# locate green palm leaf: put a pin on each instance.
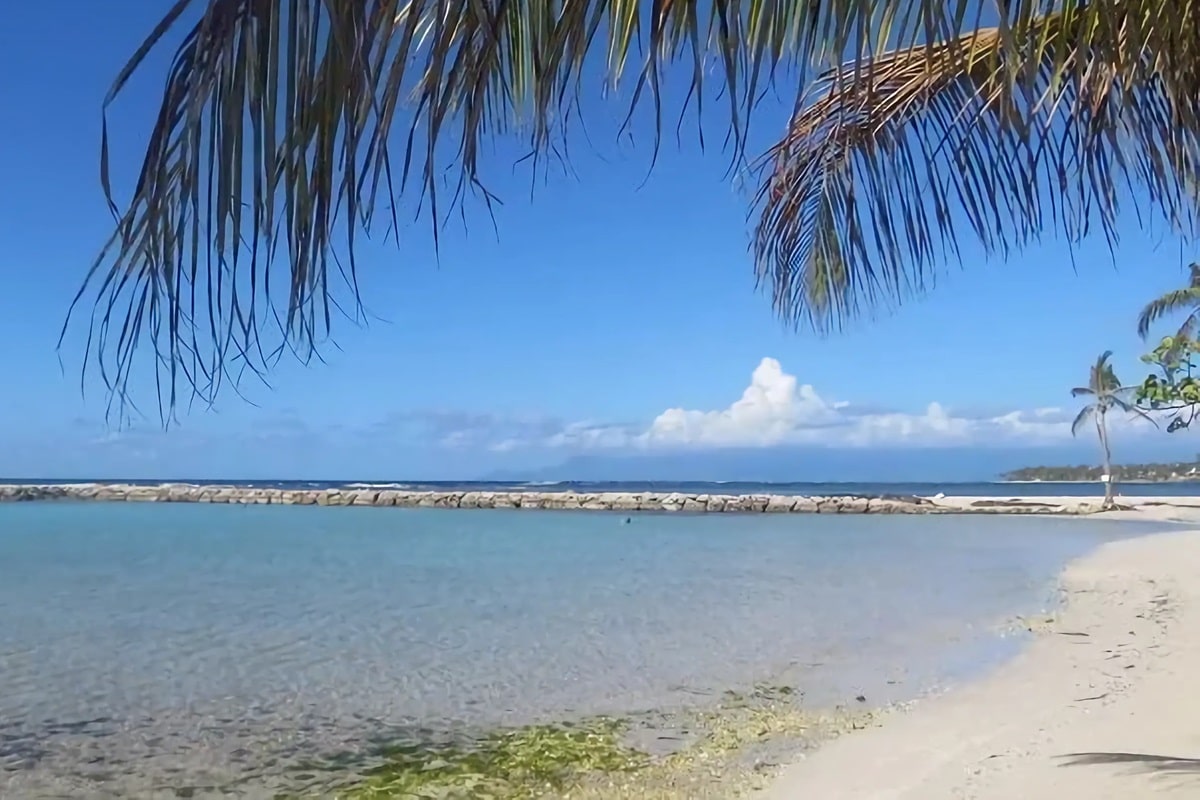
(288, 126)
(1104, 380)
(1169, 303)
(288, 130)
(1082, 418)
(1107, 394)
(1127, 407)
(1043, 125)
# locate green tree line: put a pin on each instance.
(1170, 392)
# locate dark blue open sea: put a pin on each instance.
(982, 488)
(145, 646)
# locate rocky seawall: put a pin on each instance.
(601, 501)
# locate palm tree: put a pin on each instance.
(289, 128)
(1106, 393)
(1185, 299)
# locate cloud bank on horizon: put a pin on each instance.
(773, 414)
(776, 409)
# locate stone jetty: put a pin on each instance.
(524, 500)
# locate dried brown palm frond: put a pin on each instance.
(1046, 124)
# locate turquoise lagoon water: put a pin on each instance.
(153, 646)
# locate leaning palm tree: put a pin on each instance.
(1105, 394)
(1185, 299)
(289, 129)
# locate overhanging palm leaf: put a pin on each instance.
(287, 125)
(1046, 124)
(1187, 299)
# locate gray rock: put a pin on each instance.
(625, 502)
(715, 505)
(605, 501)
(779, 505)
(854, 505)
(758, 502)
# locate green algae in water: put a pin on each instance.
(734, 749)
(523, 764)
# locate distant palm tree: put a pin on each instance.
(287, 126)
(1185, 299)
(1106, 393)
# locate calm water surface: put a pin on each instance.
(144, 647)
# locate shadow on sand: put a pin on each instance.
(1143, 762)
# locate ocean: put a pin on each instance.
(832, 489)
(145, 646)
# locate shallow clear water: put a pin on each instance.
(142, 645)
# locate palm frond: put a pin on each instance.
(288, 126)
(1081, 418)
(1127, 407)
(1082, 391)
(1103, 379)
(1169, 303)
(289, 129)
(1045, 125)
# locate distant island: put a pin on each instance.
(1129, 473)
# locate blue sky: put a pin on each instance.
(607, 317)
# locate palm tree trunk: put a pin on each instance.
(1102, 431)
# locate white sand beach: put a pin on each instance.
(1103, 704)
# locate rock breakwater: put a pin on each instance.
(558, 500)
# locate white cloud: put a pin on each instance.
(776, 409)
(770, 411)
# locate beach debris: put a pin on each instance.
(1086, 699)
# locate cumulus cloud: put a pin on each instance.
(776, 409)
(772, 408)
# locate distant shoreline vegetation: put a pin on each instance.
(1174, 472)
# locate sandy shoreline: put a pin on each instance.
(1103, 704)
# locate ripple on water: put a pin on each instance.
(147, 647)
